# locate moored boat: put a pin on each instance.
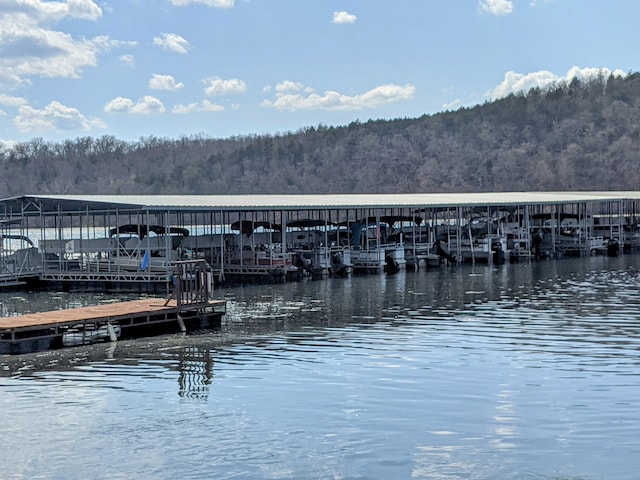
(82, 334)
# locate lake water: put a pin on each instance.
(524, 371)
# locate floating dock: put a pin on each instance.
(107, 322)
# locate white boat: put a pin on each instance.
(488, 249)
(322, 260)
(370, 260)
(316, 248)
(132, 248)
(376, 247)
(87, 334)
(421, 256)
(256, 251)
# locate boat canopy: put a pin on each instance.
(17, 237)
(390, 219)
(557, 215)
(308, 223)
(249, 226)
(143, 230)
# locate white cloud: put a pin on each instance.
(45, 53)
(343, 17)
(208, 3)
(452, 105)
(9, 101)
(85, 9)
(172, 42)
(289, 86)
(518, 82)
(164, 82)
(8, 77)
(591, 72)
(104, 43)
(331, 100)
(7, 144)
(147, 105)
(218, 86)
(204, 106)
(36, 11)
(29, 46)
(496, 7)
(54, 117)
(127, 59)
(118, 104)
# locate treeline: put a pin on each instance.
(584, 135)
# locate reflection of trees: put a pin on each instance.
(196, 371)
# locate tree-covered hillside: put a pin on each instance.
(580, 136)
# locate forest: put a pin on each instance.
(582, 135)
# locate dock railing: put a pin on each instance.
(193, 282)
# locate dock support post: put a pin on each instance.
(181, 323)
(112, 333)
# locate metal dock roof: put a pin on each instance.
(54, 203)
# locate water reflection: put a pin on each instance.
(196, 372)
(511, 371)
(550, 307)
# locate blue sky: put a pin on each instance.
(173, 68)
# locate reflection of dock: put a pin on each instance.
(46, 330)
(196, 372)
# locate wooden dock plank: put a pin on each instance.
(93, 313)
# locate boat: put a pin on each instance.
(86, 334)
(20, 256)
(316, 249)
(484, 250)
(422, 255)
(255, 251)
(613, 247)
(377, 244)
(132, 248)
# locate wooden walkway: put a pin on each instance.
(46, 330)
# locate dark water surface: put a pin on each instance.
(526, 371)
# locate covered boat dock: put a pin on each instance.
(132, 242)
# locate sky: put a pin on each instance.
(225, 68)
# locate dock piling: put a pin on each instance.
(181, 324)
(112, 333)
